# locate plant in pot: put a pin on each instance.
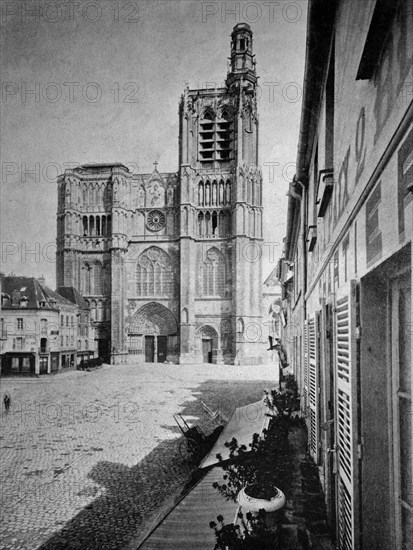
(258, 496)
(250, 533)
(250, 479)
(281, 405)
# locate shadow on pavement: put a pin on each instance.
(133, 496)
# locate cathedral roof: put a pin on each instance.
(93, 166)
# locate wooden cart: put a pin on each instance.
(193, 445)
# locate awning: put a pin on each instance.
(244, 423)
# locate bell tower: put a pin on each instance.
(221, 215)
(242, 59)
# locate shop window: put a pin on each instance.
(26, 364)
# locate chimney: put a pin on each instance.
(41, 280)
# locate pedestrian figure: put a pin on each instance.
(7, 402)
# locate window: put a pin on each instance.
(67, 320)
(93, 311)
(62, 320)
(213, 273)
(19, 343)
(15, 364)
(373, 233)
(402, 408)
(85, 279)
(43, 326)
(97, 278)
(19, 323)
(154, 274)
(240, 328)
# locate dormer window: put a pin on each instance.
(242, 44)
(24, 301)
(16, 298)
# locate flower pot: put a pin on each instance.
(254, 505)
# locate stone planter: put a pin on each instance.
(254, 505)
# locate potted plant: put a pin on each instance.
(251, 478)
(264, 496)
(249, 533)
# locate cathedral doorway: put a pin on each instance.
(207, 350)
(208, 344)
(162, 342)
(153, 334)
(149, 349)
(104, 349)
(156, 349)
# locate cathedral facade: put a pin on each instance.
(170, 262)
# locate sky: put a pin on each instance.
(100, 81)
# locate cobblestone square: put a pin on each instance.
(90, 459)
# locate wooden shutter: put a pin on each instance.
(313, 401)
(346, 416)
(306, 355)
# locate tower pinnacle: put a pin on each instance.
(242, 62)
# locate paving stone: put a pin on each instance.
(89, 460)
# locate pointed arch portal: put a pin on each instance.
(208, 339)
(153, 331)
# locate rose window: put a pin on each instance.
(155, 220)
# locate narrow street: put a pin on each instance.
(90, 460)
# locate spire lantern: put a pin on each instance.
(242, 62)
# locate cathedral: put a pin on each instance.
(169, 263)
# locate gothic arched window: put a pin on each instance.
(221, 193)
(213, 273)
(85, 279)
(93, 311)
(97, 278)
(154, 273)
(201, 193)
(200, 224)
(228, 192)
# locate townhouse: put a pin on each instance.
(346, 270)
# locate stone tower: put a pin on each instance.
(221, 214)
(170, 262)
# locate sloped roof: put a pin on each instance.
(71, 294)
(59, 299)
(27, 287)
